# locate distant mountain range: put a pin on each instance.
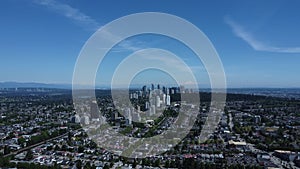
(55, 85)
(33, 85)
(277, 92)
(45, 85)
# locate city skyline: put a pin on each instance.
(257, 41)
(149, 84)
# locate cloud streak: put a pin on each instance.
(167, 61)
(86, 22)
(70, 13)
(257, 45)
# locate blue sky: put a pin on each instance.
(257, 41)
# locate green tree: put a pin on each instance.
(29, 155)
(80, 149)
(78, 164)
(167, 164)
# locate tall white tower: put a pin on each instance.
(147, 104)
(152, 110)
(168, 100)
(157, 101)
(164, 99)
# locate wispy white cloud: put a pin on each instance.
(198, 68)
(167, 61)
(257, 45)
(70, 13)
(86, 22)
(130, 45)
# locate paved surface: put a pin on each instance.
(37, 144)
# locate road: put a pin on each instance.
(37, 144)
(273, 159)
(230, 122)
